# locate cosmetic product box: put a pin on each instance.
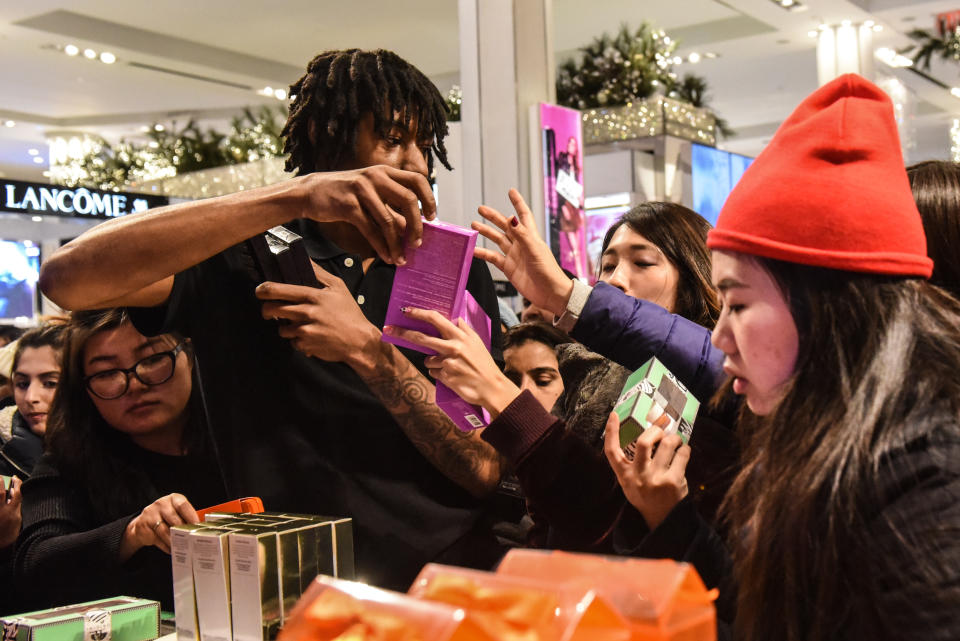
(652, 396)
(119, 618)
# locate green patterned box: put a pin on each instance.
(652, 396)
(119, 618)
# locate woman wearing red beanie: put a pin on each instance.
(848, 502)
(844, 519)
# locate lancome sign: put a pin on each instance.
(53, 200)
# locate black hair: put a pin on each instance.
(342, 86)
(875, 377)
(936, 190)
(44, 336)
(681, 234)
(10, 333)
(536, 331)
(88, 452)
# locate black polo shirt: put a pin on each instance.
(307, 435)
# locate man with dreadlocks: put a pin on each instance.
(309, 408)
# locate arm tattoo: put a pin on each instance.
(461, 456)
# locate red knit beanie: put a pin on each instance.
(830, 189)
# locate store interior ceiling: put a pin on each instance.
(183, 59)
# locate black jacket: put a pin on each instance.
(21, 452)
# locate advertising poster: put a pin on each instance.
(598, 222)
(563, 195)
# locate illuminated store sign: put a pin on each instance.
(53, 200)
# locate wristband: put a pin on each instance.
(578, 300)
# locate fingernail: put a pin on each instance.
(388, 329)
(514, 221)
(401, 260)
(404, 309)
(418, 242)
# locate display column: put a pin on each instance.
(506, 65)
(845, 48)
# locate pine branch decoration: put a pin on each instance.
(170, 151)
(929, 45)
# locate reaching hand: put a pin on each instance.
(325, 323)
(462, 362)
(526, 260)
(653, 482)
(380, 201)
(152, 526)
(10, 520)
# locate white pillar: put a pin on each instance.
(506, 65)
(844, 48)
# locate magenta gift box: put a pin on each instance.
(435, 277)
(466, 416)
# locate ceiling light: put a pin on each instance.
(955, 91)
(71, 50)
(153, 144)
(268, 91)
(813, 33)
(868, 23)
(158, 127)
(38, 160)
(37, 219)
(89, 53)
(281, 94)
(878, 27)
(33, 152)
(9, 123)
(694, 58)
(145, 129)
(845, 23)
(666, 40)
(711, 55)
(789, 5)
(677, 60)
(107, 58)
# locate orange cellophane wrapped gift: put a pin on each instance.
(513, 608)
(337, 610)
(662, 600)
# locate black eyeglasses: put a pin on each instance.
(153, 370)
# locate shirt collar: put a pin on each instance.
(317, 245)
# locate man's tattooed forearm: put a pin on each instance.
(461, 456)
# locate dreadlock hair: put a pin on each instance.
(339, 88)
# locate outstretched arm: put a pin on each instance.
(132, 260)
(622, 328)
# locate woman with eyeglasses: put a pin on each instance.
(127, 459)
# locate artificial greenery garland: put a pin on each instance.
(630, 66)
(170, 151)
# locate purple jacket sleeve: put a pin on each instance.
(630, 331)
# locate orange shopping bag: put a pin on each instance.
(514, 608)
(337, 610)
(662, 600)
